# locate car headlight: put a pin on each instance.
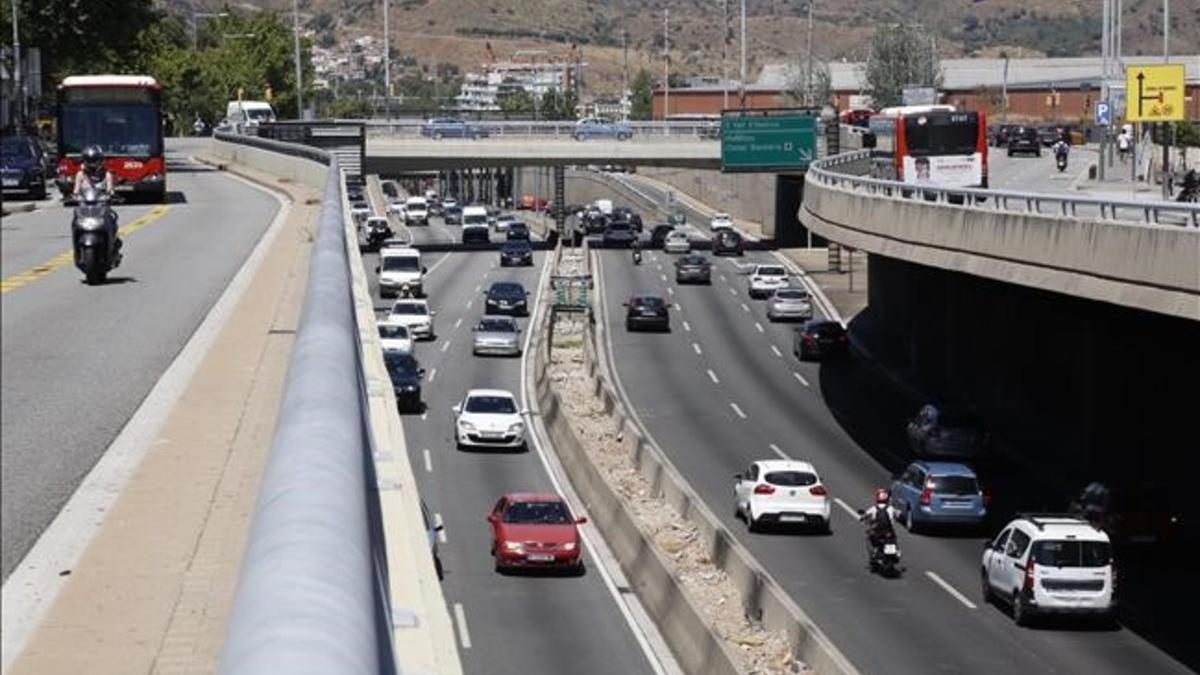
(517, 428)
(569, 546)
(514, 546)
(466, 426)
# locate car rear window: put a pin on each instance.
(772, 271)
(499, 405)
(648, 302)
(786, 294)
(497, 326)
(392, 331)
(790, 478)
(1071, 553)
(953, 485)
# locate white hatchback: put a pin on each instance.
(783, 492)
(489, 418)
(721, 221)
(394, 337)
(415, 315)
(766, 279)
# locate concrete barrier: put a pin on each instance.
(262, 157)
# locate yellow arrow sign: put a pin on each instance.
(1154, 93)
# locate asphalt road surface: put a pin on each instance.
(520, 624)
(77, 360)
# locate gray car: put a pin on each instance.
(694, 268)
(497, 335)
(789, 304)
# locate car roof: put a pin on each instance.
(785, 465)
(534, 497)
(1059, 526)
(404, 251)
(411, 301)
(471, 393)
(946, 468)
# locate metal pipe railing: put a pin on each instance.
(311, 595)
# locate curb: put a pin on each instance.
(27, 207)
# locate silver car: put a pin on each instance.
(677, 242)
(789, 304)
(497, 335)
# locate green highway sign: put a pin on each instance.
(768, 143)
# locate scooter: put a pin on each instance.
(637, 256)
(94, 236)
(884, 555)
(1060, 158)
(376, 235)
(1190, 191)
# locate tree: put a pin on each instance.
(900, 56)
(642, 103)
(349, 108)
(797, 91)
(555, 105)
(517, 102)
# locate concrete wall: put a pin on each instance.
(295, 169)
(747, 196)
(398, 155)
(1151, 267)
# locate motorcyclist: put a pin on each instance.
(1061, 148)
(637, 250)
(1190, 189)
(879, 519)
(93, 174)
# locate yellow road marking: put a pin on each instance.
(34, 273)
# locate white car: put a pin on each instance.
(766, 279)
(783, 492)
(394, 337)
(415, 315)
(360, 213)
(721, 221)
(677, 242)
(503, 221)
(416, 211)
(396, 207)
(489, 418)
(1050, 565)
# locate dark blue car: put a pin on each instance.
(22, 166)
(449, 127)
(939, 493)
(506, 297)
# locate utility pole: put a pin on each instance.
(624, 63)
(742, 83)
(666, 63)
(18, 80)
(387, 65)
(808, 87)
(296, 49)
(1167, 31)
(724, 54)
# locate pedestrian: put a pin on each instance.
(1123, 145)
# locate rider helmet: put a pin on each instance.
(93, 161)
(882, 496)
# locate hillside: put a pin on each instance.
(457, 31)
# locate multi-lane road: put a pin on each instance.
(78, 360)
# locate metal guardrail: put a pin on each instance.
(312, 589)
(1043, 203)
(645, 131)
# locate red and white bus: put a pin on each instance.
(931, 145)
(122, 114)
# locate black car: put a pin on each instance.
(518, 231)
(595, 222)
(452, 215)
(506, 297)
(693, 267)
(624, 214)
(1050, 133)
(619, 234)
(1024, 139)
(516, 253)
(406, 374)
(475, 235)
(23, 166)
(647, 312)
(658, 234)
(820, 340)
(728, 242)
(1003, 134)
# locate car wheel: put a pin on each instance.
(985, 587)
(1020, 610)
(1010, 153)
(825, 526)
(40, 192)
(752, 524)
(437, 136)
(579, 137)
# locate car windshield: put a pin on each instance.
(648, 302)
(16, 148)
(410, 308)
(790, 478)
(692, 260)
(548, 513)
(497, 405)
(953, 485)
(396, 361)
(1071, 553)
(392, 331)
(771, 271)
(676, 235)
(790, 294)
(507, 289)
(401, 263)
(497, 326)
(259, 115)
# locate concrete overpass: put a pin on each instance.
(391, 155)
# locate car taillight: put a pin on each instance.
(764, 490)
(987, 497)
(926, 497)
(1029, 570)
(818, 490)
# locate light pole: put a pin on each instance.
(666, 63)
(1004, 89)
(387, 65)
(724, 54)
(808, 86)
(18, 81)
(742, 83)
(299, 70)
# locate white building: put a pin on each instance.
(480, 91)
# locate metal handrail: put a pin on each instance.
(1010, 201)
(312, 588)
(645, 130)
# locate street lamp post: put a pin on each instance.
(1004, 89)
(296, 55)
(387, 65)
(742, 83)
(666, 64)
(18, 81)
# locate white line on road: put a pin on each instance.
(446, 345)
(737, 410)
(478, 288)
(424, 415)
(722, 277)
(458, 322)
(687, 326)
(678, 308)
(950, 589)
(696, 346)
(464, 635)
(745, 307)
(776, 351)
(432, 374)
(670, 291)
(664, 278)
(759, 327)
(800, 377)
(781, 453)
(469, 303)
(428, 460)
(849, 509)
(713, 376)
(732, 291)
(441, 535)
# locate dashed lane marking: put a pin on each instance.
(759, 327)
(696, 346)
(460, 618)
(800, 377)
(713, 376)
(428, 460)
(687, 326)
(776, 351)
(950, 589)
(432, 374)
(446, 345)
(737, 411)
(781, 453)
(846, 507)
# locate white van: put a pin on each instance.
(400, 266)
(416, 211)
(474, 216)
(242, 115)
(605, 206)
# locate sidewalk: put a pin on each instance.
(152, 591)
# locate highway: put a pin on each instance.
(722, 389)
(79, 360)
(505, 624)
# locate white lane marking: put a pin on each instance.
(441, 535)
(732, 290)
(722, 277)
(950, 589)
(696, 346)
(781, 453)
(478, 288)
(432, 374)
(670, 291)
(759, 327)
(678, 308)
(469, 302)
(464, 635)
(428, 460)
(776, 351)
(849, 509)
(446, 345)
(745, 308)
(458, 322)
(713, 376)
(664, 278)
(737, 410)
(800, 377)
(687, 326)
(424, 416)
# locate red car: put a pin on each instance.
(535, 531)
(529, 203)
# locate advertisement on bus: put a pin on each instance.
(944, 170)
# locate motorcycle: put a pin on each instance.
(1190, 191)
(1060, 159)
(94, 236)
(377, 235)
(884, 555)
(637, 256)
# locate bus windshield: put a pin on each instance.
(125, 130)
(954, 134)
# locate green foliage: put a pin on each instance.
(349, 108)
(558, 106)
(900, 56)
(517, 102)
(642, 102)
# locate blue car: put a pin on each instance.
(24, 166)
(591, 127)
(938, 493)
(448, 127)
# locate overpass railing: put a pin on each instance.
(312, 589)
(645, 131)
(844, 172)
